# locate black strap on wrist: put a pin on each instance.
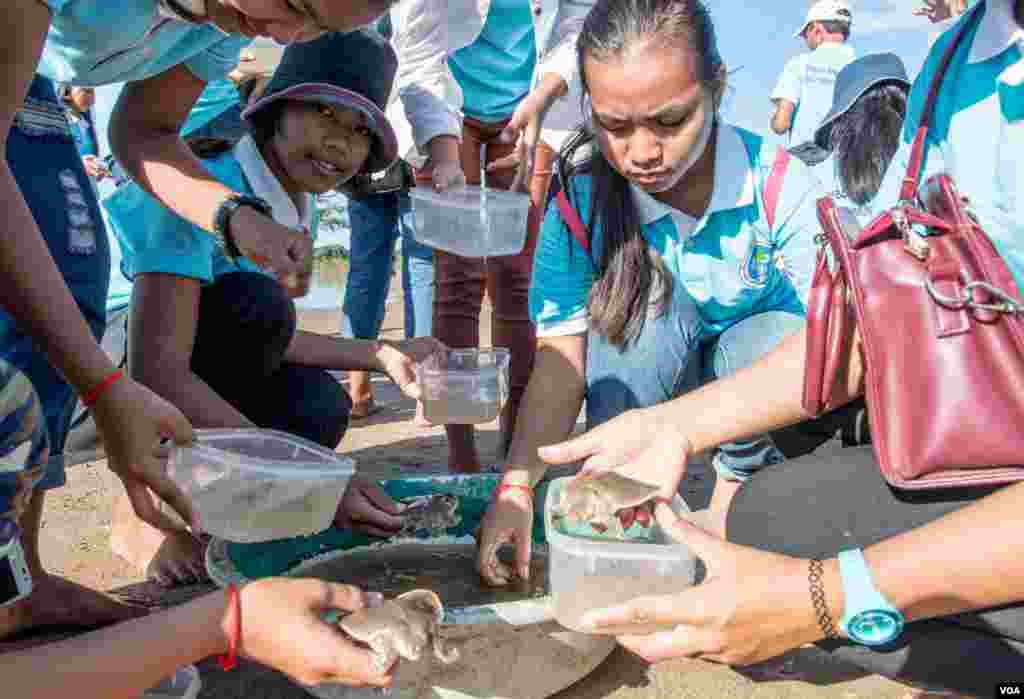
(225, 212)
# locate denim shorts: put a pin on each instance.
(42, 156)
(24, 445)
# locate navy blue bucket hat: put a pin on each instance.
(854, 80)
(354, 70)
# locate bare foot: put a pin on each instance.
(420, 420)
(170, 559)
(56, 601)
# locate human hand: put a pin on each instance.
(524, 129)
(447, 174)
(298, 285)
(399, 360)
(93, 167)
(285, 252)
(753, 605)
(940, 10)
(283, 627)
(638, 444)
(508, 520)
(366, 508)
(132, 420)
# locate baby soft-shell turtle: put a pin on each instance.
(597, 501)
(401, 628)
(431, 513)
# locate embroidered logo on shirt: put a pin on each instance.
(756, 267)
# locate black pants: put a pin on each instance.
(246, 322)
(836, 499)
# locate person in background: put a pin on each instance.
(319, 123)
(949, 563)
(804, 91)
(512, 68)
(79, 102)
(380, 211)
(862, 130)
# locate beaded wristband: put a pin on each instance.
(815, 580)
(512, 486)
(92, 395)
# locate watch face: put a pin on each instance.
(875, 627)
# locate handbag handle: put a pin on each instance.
(910, 181)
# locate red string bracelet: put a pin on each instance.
(93, 394)
(230, 659)
(512, 486)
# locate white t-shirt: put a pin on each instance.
(808, 81)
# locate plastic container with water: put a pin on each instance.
(252, 485)
(587, 574)
(471, 221)
(464, 387)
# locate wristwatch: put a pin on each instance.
(222, 219)
(868, 618)
(15, 578)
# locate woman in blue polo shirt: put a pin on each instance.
(167, 50)
(817, 539)
(688, 277)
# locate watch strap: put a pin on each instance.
(859, 592)
(222, 219)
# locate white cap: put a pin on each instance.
(827, 11)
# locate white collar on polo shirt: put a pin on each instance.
(997, 32)
(265, 186)
(733, 186)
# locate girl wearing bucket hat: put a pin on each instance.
(319, 122)
(862, 130)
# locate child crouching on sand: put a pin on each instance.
(214, 333)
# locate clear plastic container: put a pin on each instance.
(587, 574)
(251, 485)
(458, 221)
(466, 387)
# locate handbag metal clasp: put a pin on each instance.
(913, 243)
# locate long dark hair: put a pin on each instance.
(865, 139)
(629, 273)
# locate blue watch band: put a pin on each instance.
(868, 618)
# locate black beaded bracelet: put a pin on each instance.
(816, 581)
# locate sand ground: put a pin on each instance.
(75, 543)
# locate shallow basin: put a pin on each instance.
(510, 647)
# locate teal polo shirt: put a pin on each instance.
(98, 42)
(730, 261)
(977, 132)
(808, 81)
(154, 239)
(495, 71)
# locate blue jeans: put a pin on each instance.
(376, 223)
(24, 445)
(668, 360)
(45, 163)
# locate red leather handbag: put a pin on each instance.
(941, 323)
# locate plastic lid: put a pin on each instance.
(272, 452)
(470, 197)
